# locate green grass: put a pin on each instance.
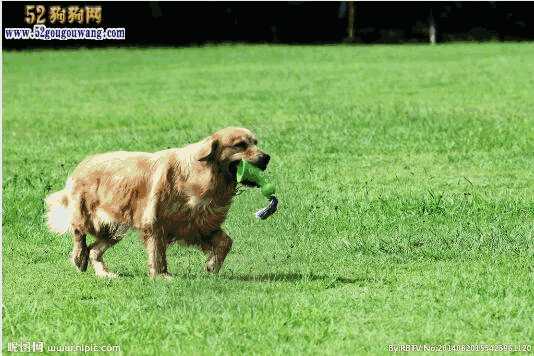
(405, 178)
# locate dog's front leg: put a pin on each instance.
(80, 252)
(216, 246)
(156, 247)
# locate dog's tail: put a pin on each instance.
(59, 213)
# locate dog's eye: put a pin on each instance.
(241, 144)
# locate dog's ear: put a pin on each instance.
(209, 149)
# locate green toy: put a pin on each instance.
(246, 171)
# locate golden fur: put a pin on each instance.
(181, 194)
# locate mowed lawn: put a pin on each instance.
(406, 183)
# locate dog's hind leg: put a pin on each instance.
(80, 252)
(216, 246)
(96, 254)
(104, 240)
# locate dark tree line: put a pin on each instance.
(164, 23)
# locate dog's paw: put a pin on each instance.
(80, 259)
(165, 276)
(106, 274)
(212, 267)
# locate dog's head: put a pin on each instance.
(228, 146)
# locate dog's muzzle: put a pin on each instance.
(263, 161)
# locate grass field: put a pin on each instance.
(405, 178)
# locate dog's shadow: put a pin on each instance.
(283, 277)
(270, 277)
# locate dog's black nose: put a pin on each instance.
(263, 161)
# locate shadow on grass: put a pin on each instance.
(285, 277)
(271, 277)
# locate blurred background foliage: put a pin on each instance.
(198, 23)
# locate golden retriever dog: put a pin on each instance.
(181, 194)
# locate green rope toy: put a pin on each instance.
(246, 171)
